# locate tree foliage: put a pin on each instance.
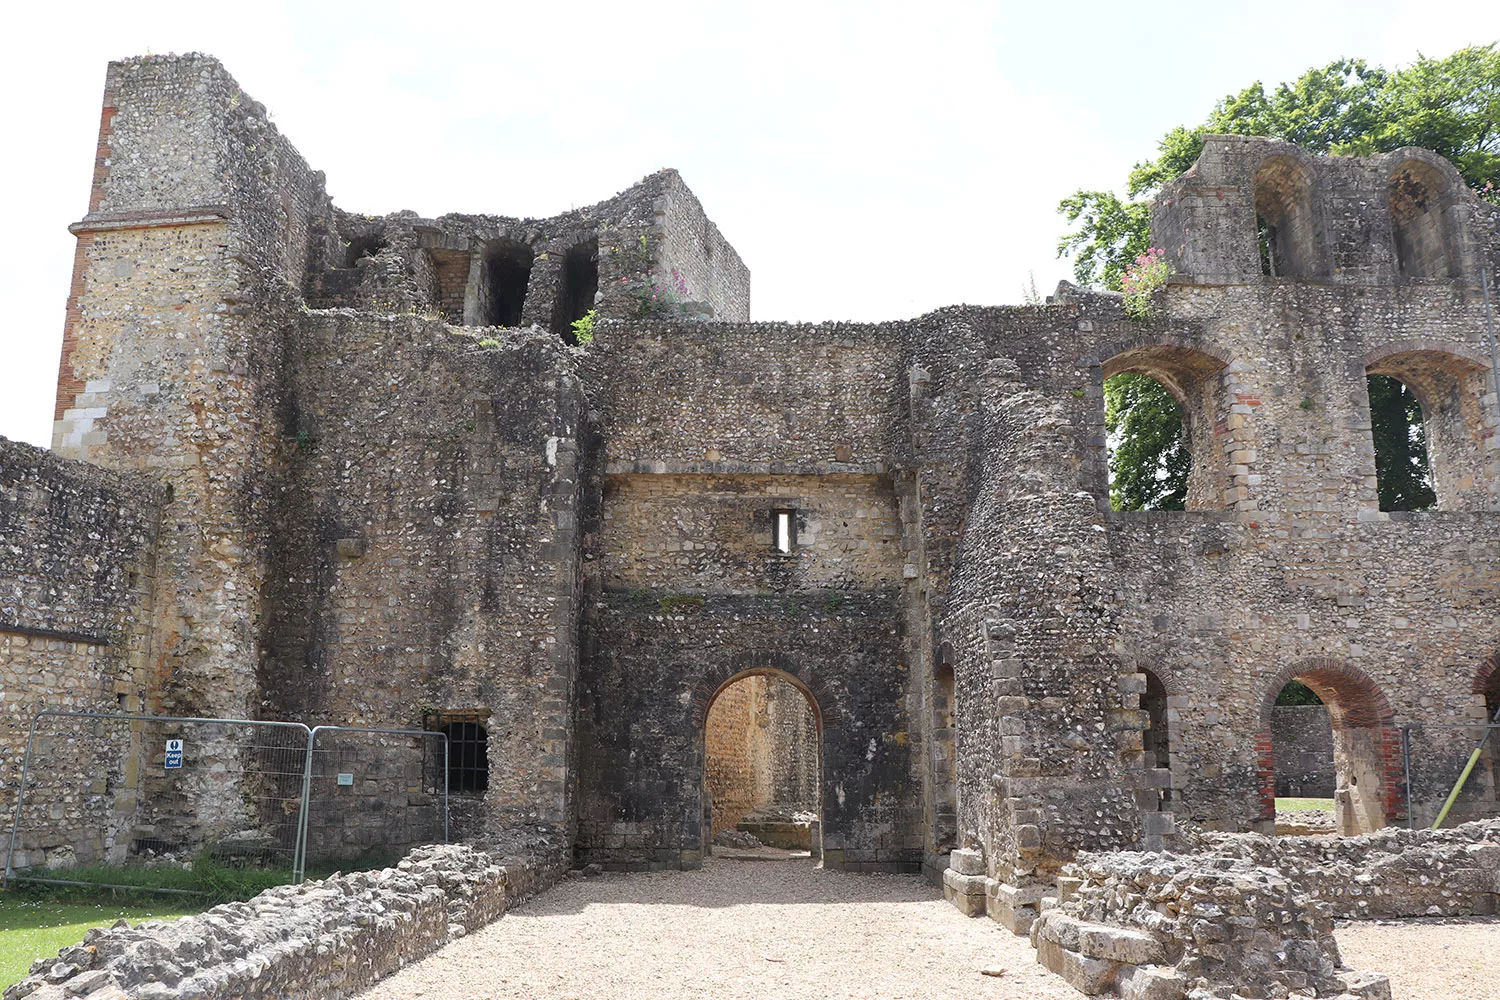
(1402, 476)
(1148, 461)
(1297, 693)
(1449, 105)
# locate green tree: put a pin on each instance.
(1449, 105)
(1148, 462)
(1403, 479)
(1297, 693)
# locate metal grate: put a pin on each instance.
(468, 755)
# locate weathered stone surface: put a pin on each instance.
(328, 938)
(966, 862)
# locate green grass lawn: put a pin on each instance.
(33, 926)
(1303, 805)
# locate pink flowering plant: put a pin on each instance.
(1148, 273)
(661, 294)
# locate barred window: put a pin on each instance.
(468, 749)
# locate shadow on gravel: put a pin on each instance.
(727, 882)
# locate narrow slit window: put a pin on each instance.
(784, 530)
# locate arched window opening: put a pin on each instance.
(1331, 735)
(1285, 227)
(579, 285)
(468, 755)
(1160, 451)
(1492, 697)
(1150, 460)
(1403, 474)
(763, 767)
(363, 248)
(1417, 193)
(506, 273)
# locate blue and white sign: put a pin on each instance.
(174, 753)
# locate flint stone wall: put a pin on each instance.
(1302, 740)
(321, 940)
(1393, 873)
(77, 564)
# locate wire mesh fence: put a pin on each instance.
(1435, 756)
(374, 792)
(100, 792)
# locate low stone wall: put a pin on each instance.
(325, 939)
(1249, 914)
(1392, 873)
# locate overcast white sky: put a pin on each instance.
(869, 160)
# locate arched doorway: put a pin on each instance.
(763, 768)
(1366, 743)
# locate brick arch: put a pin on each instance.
(1488, 667)
(788, 666)
(1355, 703)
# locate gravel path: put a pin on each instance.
(1428, 959)
(755, 929)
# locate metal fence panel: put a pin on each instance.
(103, 788)
(374, 791)
(116, 788)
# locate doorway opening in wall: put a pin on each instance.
(576, 291)
(506, 273)
(1330, 737)
(1149, 458)
(763, 770)
(1403, 474)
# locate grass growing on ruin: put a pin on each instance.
(1303, 805)
(34, 926)
(209, 880)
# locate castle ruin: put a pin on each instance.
(360, 470)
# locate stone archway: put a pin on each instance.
(1366, 744)
(762, 772)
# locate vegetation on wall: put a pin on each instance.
(1450, 105)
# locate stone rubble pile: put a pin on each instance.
(1167, 927)
(326, 939)
(1394, 872)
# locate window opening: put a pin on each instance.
(507, 272)
(1417, 228)
(1155, 739)
(1403, 474)
(580, 283)
(468, 750)
(362, 247)
(1284, 219)
(784, 530)
(1149, 458)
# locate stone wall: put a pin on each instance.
(331, 938)
(77, 570)
(426, 562)
(1302, 740)
(1254, 915)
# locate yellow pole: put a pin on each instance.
(1453, 795)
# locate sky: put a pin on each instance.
(869, 160)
